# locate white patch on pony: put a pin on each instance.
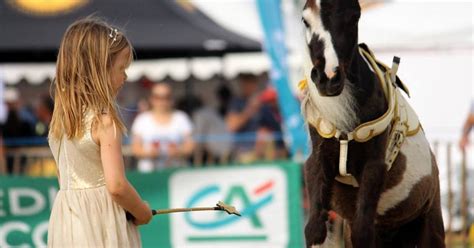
(418, 165)
(307, 14)
(317, 28)
(308, 35)
(339, 110)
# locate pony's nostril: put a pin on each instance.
(337, 77)
(315, 75)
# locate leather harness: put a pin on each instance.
(400, 117)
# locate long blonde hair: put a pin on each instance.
(83, 80)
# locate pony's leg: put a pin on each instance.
(401, 237)
(432, 230)
(319, 181)
(331, 241)
(347, 234)
(334, 234)
(371, 187)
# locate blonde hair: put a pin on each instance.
(83, 81)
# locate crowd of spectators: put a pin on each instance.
(244, 127)
(22, 126)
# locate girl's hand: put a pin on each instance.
(144, 217)
(174, 151)
(155, 151)
(120, 189)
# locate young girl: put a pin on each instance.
(85, 138)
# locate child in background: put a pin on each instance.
(85, 138)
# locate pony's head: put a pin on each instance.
(331, 36)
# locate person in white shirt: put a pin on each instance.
(162, 136)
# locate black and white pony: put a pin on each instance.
(370, 160)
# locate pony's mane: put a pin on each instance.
(339, 110)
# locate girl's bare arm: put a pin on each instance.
(110, 141)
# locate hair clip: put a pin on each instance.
(113, 34)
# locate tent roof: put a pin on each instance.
(179, 69)
(157, 29)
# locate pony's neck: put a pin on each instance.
(369, 93)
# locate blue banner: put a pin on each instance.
(272, 23)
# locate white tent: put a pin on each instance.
(177, 69)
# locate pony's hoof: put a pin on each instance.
(315, 233)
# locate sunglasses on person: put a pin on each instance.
(161, 96)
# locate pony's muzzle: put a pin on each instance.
(326, 86)
(331, 73)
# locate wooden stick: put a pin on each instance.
(179, 210)
(220, 206)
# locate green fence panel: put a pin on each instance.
(268, 195)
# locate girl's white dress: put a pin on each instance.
(84, 214)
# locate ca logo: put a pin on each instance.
(236, 193)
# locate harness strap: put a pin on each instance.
(343, 145)
(399, 117)
(343, 176)
(393, 74)
(396, 136)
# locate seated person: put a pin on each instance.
(248, 115)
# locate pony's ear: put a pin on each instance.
(357, 3)
(352, 16)
(352, 11)
(354, 3)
